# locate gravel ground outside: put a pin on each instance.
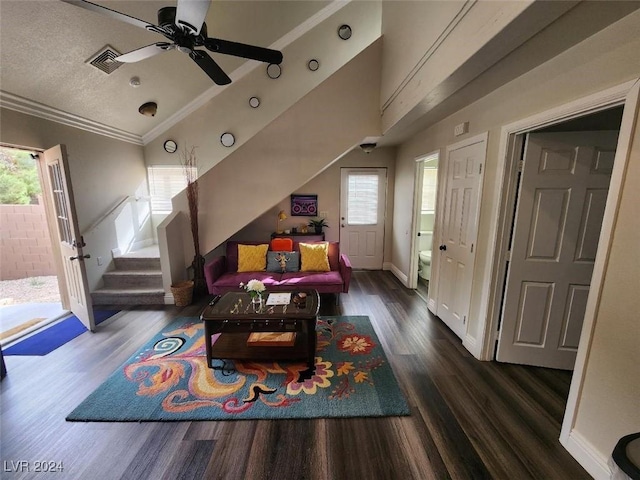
(29, 290)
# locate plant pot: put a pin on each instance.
(182, 293)
(318, 230)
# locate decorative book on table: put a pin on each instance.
(272, 339)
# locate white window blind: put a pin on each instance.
(165, 181)
(362, 202)
(429, 183)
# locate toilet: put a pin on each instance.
(425, 245)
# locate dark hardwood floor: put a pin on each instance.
(469, 419)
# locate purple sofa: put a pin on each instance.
(222, 274)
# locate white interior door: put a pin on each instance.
(560, 207)
(459, 227)
(362, 211)
(71, 242)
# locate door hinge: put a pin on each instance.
(464, 319)
(508, 256)
(480, 170)
(472, 248)
(520, 165)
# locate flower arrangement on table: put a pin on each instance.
(254, 288)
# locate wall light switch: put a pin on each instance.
(99, 261)
(324, 214)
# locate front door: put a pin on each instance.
(459, 227)
(362, 211)
(71, 242)
(560, 207)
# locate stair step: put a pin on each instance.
(128, 296)
(132, 278)
(137, 263)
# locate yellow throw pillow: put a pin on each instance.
(314, 257)
(252, 258)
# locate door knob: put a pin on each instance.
(83, 256)
(443, 247)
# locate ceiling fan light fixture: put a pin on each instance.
(148, 109)
(368, 147)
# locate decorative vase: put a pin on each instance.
(256, 302)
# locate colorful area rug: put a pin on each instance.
(168, 379)
(56, 335)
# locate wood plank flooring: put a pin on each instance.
(469, 419)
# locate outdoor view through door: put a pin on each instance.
(362, 209)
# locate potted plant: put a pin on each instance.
(317, 224)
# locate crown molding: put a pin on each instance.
(40, 110)
(29, 107)
(244, 70)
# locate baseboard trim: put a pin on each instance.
(168, 299)
(399, 274)
(587, 456)
(471, 344)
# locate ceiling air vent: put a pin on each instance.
(104, 60)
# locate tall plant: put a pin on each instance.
(190, 167)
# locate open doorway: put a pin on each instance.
(424, 221)
(559, 206)
(29, 286)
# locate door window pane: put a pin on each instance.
(362, 201)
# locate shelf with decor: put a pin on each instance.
(299, 236)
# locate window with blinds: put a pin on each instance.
(165, 181)
(362, 201)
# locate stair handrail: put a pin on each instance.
(117, 207)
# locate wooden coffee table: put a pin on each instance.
(234, 317)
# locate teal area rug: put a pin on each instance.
(168, 379)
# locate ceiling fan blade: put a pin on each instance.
(144, 52)
(243, 50)
(113, 14)
(190, 14)
(211, 68)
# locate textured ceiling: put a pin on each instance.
(44, 47)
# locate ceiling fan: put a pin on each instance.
(184, 26)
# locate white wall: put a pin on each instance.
(103, 171)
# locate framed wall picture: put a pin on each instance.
(304, 205)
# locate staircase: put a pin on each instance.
(136, 280)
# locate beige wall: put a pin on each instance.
(103, 171)
(610, 403)
(606, 59)
(327, 186)
(288, 152)
(229, 111)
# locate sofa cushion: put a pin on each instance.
(275, 262)
(252, 258)
(232, 280)
(280, 244)
(313, 257)
(303, 279)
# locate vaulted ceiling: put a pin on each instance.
(45, 45)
